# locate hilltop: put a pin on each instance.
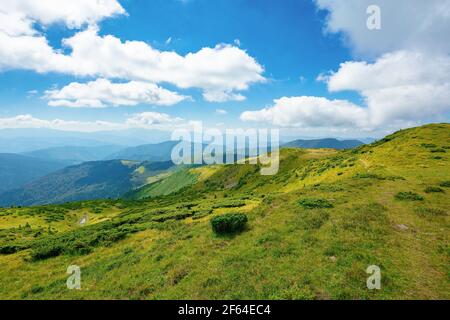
(313, 230)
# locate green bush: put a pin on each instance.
(314, 203)
(440, 150)
(445, 184)
(229, 204)
(433, 190)
(430, 212)
(11, 249)
(229, 223)
(408, 196)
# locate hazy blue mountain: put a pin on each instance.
(74, 154)
(89, 180)
(329, 143)
(148, 152)
(17, 170)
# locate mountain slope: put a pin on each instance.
(75, 154)
(324, 143)
(90, 180)
(313, 230)
(16, 170)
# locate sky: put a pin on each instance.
(309, 67)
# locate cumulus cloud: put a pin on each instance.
(18, 16)
(221, 72)
(398, 86)
(405, 25)
(306, 112)
(102, 93)
(401, 88)
(145, 120)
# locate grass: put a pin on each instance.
(310, 234)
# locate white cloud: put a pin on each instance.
(405, 25)
(307, 112)
(154, 119)
(102, 93)
(408, 86)
(222, 96)
(221, 111)
(28, 121)
(401, 88)
(17, 17)
(145, 120)
(221, 72)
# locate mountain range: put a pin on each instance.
(75, 154)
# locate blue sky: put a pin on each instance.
(293, 41)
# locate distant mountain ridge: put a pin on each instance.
(75, 154)
(147, 152)
(90, 180)
(16, 170)
(329, 143)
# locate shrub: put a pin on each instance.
(430, 212)
(408, 196)
(229, 204)
(445, 184)
(433, 189)
(313, 203)
(229, 223)
(46, 251)
(11, 249)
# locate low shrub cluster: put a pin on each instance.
(315, 203)
(229, 223)
(430, 212)
(230, 204)
(433, 189)
(445, 184)
(408, 196)
(377, 176)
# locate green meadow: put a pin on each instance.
(312, 231)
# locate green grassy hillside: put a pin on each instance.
(313, 230)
